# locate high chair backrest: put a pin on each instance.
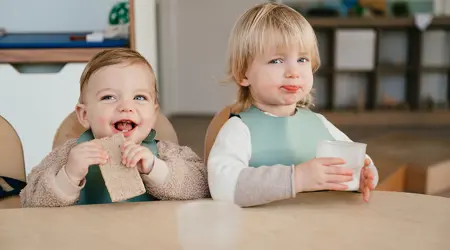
(70, 128)
(213, 129)
(11, 153)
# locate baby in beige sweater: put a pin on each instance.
(117, 95)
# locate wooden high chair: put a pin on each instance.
(11, 154)
(11, 160)
(213, 129)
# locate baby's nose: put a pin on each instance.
(126, 107)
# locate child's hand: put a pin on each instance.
(366, 181)
(136, 155)
(322, 174)
(81, 157)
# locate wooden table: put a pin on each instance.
(320, 220)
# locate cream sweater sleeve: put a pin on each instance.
(178, 174)
(48, 184)
(231, 178)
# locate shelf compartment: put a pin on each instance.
(392, 94)
(392, 50)
(351, 91)
(434, 89)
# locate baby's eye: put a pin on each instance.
(140, 98)
(303, 59)
(107, 97)
(276, 61)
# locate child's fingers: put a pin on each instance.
(126, 151)
(128, 157)
(366, 194)
(335, 186)
(95, 160)
(126, 145)
(369, 184)
(367, 162)
(147, 162)
(330, 161)
(335, 170)
(339, 178)
(362, 179)
(135, 156)
(368, 174)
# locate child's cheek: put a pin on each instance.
(103, 122)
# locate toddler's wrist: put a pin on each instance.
(74, 178)
(151, 163)
(297, 179)
(148, 169)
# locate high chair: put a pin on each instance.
(11, 165)
(213, 129)
(11, 154)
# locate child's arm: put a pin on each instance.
(232, 179)
(340, 136)
(48, 184)
(178, 174)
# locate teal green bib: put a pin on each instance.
(95, 191)
(283, 140)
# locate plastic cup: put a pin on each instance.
(354, 154)
(208, 225)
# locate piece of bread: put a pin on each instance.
(122, 183)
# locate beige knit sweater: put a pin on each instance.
(178, 174)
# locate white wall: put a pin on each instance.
(193, 43)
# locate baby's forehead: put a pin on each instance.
(118, 86)
(122, 84)
(126, 73)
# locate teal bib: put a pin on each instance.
(283, 140)
(95, 191)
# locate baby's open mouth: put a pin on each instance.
(124, 125)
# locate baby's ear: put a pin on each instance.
(80, 109)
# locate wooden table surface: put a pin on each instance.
(319, 220)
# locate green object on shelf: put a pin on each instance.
(119, 14)
(400, 9)
(359, 10)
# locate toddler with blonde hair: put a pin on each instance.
(266, 150)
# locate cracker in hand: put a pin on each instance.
(122, 183)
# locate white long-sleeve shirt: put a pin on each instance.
(232, 179)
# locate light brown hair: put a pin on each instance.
(263, 27)
(112, 57)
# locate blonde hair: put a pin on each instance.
(113, 57)
(262, 27)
